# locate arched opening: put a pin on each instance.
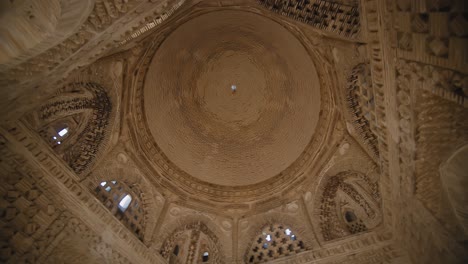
(74, 123)
(350, 205)
(122, 201)
(176, 250)
(125, 202)
(205, 256)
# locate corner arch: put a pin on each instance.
(347, 203)
(126, 172)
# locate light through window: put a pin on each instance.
(268, 238)
(103, 184)
(125, 202)
(287, 231)
(63, 132)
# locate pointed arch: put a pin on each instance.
(193, 241)
(349, 203)
(124, 203)
(83, 110)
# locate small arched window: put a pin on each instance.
(176, 250)
(205, 256)
(125, 202)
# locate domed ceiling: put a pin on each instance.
(232, 98)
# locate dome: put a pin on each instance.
(232, 98)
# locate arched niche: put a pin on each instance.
(76, 123)
(454, 176)
(190, 242)
(348, 203)
(124, 202)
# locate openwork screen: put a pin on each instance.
(192, 243)
(274, 241)
(123, 203)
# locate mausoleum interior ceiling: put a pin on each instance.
(233, 131)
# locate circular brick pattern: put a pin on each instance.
(226, 136)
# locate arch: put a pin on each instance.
(124, 203)
(195, 239)
(126, 172)
(255, 226)
(347, 203)
(454, 177)
(84, 110)
(272, 242)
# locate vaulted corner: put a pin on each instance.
(206, 131)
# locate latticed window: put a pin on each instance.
(273, 242)
(123, 203)
(354, 224)
(74, 123)
(350, 204)
(341, 17)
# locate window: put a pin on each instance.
(63, 132)
(350, 217)
(273, 242)
(205, 256)
(176, 250)
(125, 202)
(59, 135)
